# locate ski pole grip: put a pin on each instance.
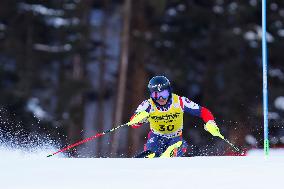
(138, 117)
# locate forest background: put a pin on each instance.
(72, 68)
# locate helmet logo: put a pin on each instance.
(159, 87)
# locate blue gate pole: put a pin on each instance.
(264, 77)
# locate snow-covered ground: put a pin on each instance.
(18, 171)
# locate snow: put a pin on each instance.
(279, 103)
(269, 36)
(273, 115)
(257, 35)
(218, 9)
(181, 7)
(96, 17)
(273, 6)
(40, 9)
(70, 6)
(218, 172)
(58, 22)
(2, 27)
(15, 154)
(233, 7)
(282, 139)
(237, 30)
(34, 107)
(251, 140)
(281, 12)
(253, 2)
(250, 35)
(276, 72)
(164, 28)
(275, 152)
(281, 32)
(171, 12)
(53, 48)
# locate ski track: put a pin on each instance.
(222, 172)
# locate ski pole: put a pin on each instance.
(86, 140)
(232, 145)
(140, 116)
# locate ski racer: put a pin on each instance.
(166, 111)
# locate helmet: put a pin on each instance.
(158, 84)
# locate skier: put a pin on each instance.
(166, 120)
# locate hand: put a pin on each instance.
(136, 125)
(213, 129)
(142, 119)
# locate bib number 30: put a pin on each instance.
(166, 127)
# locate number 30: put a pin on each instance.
(166, 127)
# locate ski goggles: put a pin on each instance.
(157, 95)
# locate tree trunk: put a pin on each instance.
(121, 85)
(137, 81)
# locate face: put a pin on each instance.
(162, 101)
(161, 97)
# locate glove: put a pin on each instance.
(213, 129)
(143, 117)
(135, 125)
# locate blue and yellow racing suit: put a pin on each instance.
(166, 122)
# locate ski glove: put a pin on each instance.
(138, 119)
(213, 129)
(135, 125)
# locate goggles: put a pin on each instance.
(157, 95)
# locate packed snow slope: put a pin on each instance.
(220, 172)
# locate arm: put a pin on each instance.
(144, 106)
(196, 110)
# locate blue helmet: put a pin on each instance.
(159, 83)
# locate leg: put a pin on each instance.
(182, 150)
(156, 144)
(179, 150)
(145, 154)
(171, 151)
(149, 147)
